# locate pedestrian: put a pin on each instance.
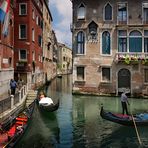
(13, 86)
(20, 83)
(124, 102)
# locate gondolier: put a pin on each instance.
(124, 102)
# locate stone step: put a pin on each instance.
(30, 100)
(34, 95)
(31, 97)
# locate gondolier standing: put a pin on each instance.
(124, 102)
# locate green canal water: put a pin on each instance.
(77, 122)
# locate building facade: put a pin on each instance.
(28, 45)
(47, 42)
(6, 53)
(110, 46)
(64, 59)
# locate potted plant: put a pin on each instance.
(127, 59)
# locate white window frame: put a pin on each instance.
(37, 20)
(77, 75)
(104, 12)
(33, 14)
(81, 16)
(20, 55)
(20, 8)
(84, 43)
(126, 11)
(107, 55)
(20, 31)
(33, 55)
(105, 66)
(144, 5)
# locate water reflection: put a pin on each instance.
(77, 123)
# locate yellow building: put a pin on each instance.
(49, 42)
(64, 59)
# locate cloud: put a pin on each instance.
(61, 11)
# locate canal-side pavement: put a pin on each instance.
(12, 105)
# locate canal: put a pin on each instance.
(77, 123)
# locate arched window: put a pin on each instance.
(81, 12)
(106, 42)
(135, 41)
(80, 43)
(108, 12)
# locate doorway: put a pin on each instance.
(124, 81)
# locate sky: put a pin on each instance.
(61, 11)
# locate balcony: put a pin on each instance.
(22, 66)
(131, 58)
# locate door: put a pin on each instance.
(124, 81)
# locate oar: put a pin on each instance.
(139, 140)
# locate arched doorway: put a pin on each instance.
(124, 81)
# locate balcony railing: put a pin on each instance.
(131, 57)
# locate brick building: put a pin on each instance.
(110, 46)
(6, 54)
(28, 62)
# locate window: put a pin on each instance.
(40, 40)
(23, 54)
(47, 16)
(106, 42)
(106, 77)
(146, 41)
(135, 41)
(145, 13)
(33, 14)
(108, 12)
(33, 55)
(81, 12)
(80, 73)
(122, 13)
(122, 41)
(146, 75)
(22, 31)
(22, 9)
(80, 43)
(64, 58)
(48, 46)
(33, 35)
(10, 61)
(37, 20)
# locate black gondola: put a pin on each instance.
(49, 108)
(127, 120)
(59, 76)
(11, 133)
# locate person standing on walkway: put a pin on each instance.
(20, 83)
(13, 86)
(124, 102)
